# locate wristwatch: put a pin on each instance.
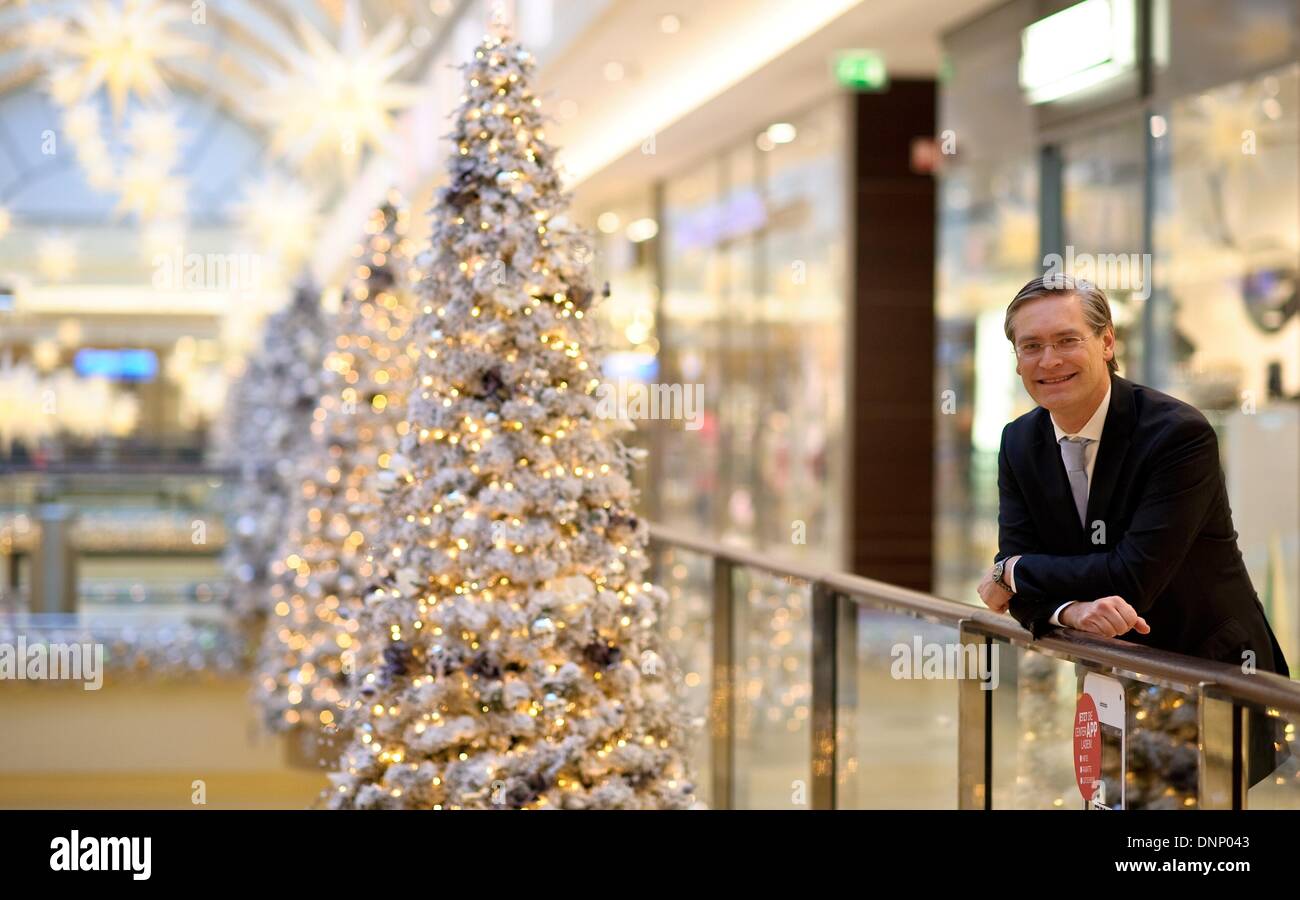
(997, 575)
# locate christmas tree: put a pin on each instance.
(509, 652)
(321, 566)
(268, 417)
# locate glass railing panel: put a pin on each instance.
(897, 732)
(1162, 755)
(687, 577)
(1155, 753)
(1033, 721)
(773, 699)
(1272, 757)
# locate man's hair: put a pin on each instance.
(1096, 308)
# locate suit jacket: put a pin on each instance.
(1159, 534)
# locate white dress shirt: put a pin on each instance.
(1091, 430)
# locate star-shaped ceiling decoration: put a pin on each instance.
(332, 103)
(119, 46)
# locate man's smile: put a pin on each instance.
(1059, 379)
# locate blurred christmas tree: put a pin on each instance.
(321, 567)
(1163, 762)
(509, 654)
(267, 426)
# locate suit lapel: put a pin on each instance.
(1115, 438)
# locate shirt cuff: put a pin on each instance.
(1056, 616)
(1009, 573)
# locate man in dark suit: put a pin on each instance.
(1113, 512)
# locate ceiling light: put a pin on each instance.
(642, 230)
(781, 132)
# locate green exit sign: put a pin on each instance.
(861, 70)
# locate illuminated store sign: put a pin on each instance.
(1078, 48)
(123, 365)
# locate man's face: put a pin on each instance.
(1066, 382)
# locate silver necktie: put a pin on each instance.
(1077, 470)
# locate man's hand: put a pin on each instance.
(1108, 617)
(994, 595)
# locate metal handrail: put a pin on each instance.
(1263, 688)
(1224, 690)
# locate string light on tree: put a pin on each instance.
(509, 648)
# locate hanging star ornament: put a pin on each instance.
(153, 135)
(150, 192)
(120, 46)
(148, 186)
(332, 103)
(56, 257)
(280, 215)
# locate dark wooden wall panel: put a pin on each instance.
(891, 391)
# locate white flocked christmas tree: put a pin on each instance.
(266, 431)
(509, 653)
(322, 566)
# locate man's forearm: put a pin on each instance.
(1010, 576)
(1042, 578)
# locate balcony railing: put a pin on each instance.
(829, 691)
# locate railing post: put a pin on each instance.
(824, 713)
(724, 686)
(974, 734)
(1219, 766)
(54, 564)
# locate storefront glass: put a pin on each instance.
(988, 240)
(754, 310)
(1228, 236)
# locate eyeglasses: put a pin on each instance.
(1064, 346)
